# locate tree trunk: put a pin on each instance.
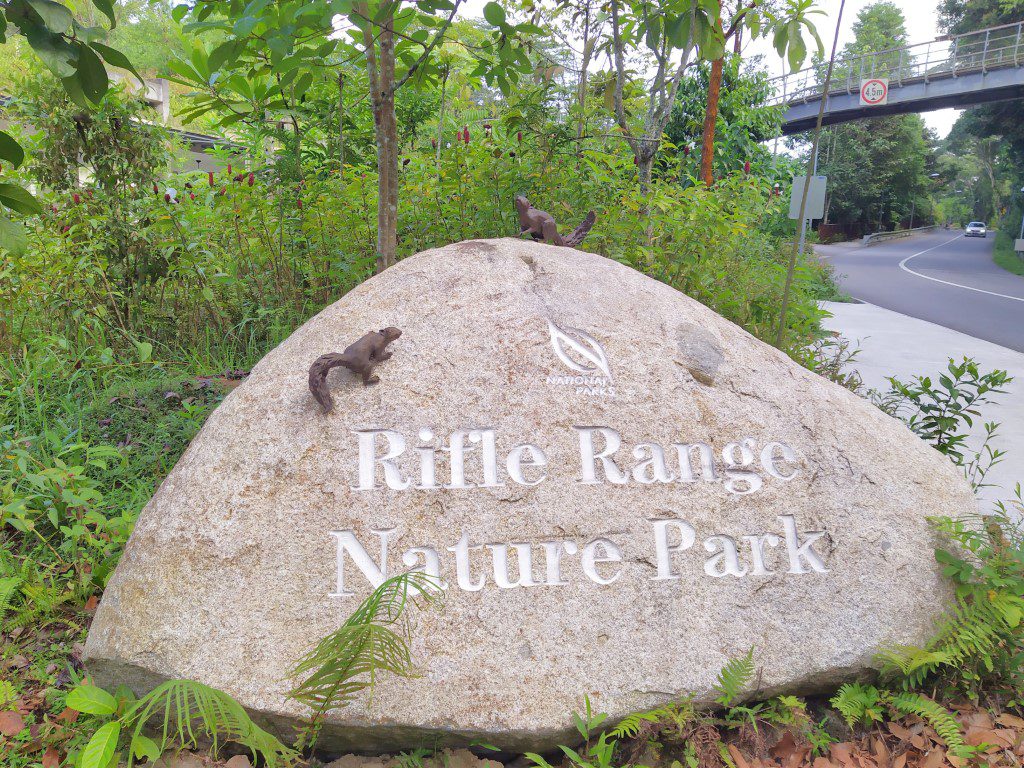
(645, 166)
(707, 151)
(581, 95)
(381, 71)
(440, 119)
(341, 123)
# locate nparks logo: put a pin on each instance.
(585, 358)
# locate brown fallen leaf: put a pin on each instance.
(900, 761)
(238, 761)
(51, 758)
(91, 603)
(784, 747)
(737, 757)
(823, 762)
(881, 751)
(977, 736)
(69, 715)
(897, 730)
(842, 753)
(934, 759)
(11, 723)
(978, 719)
(1010, 721)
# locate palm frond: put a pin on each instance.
(374, 639)
(188, 710)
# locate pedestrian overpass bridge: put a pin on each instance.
(954, 71)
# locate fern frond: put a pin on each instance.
(937, 716)
(911, 663)
(857, 703)
(972, 632)
(734, 677)
(185, 707)
(374, 639)
(8, 588)
(629, 727)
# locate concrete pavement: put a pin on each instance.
(893, 344)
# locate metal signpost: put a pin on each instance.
(815, 208)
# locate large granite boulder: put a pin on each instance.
(621, 490)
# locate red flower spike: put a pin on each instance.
(746, 167)
(210, 177)
(686, 150)
(465, 135)
(252, 178)
(519, 136)
(167, 197)
(300, 203)
(192, 195)
(53, 207)
(229, 169)
(156, 189)
(76, 198)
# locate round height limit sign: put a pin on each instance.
(874, 91)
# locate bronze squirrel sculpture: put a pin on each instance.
(360, 358)
(541, 225)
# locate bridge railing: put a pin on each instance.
(944, 57)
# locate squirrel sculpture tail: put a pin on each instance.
(318, 377)
(581, 231)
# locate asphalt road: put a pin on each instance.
(941, 277)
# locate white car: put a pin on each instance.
(976, 229)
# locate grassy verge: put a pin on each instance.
(1004, 255)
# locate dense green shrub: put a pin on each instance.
(245, 251)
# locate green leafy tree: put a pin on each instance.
(676, 34)
(267, 54)
(744, 123)
(959, 16)
(988, 138)
(877, 168)
(74, 52)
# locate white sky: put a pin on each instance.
(921, 16)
